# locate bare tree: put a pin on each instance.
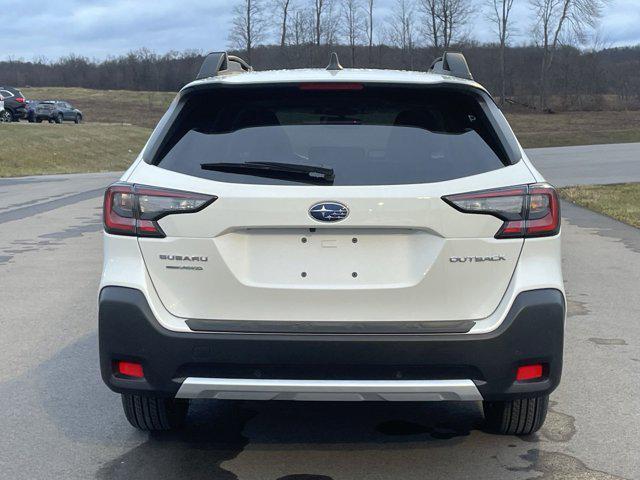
(353, 25)
(302, 27)
(248, 26)
(331, 24)
(282, 8)
(499, 12)
(443, 20)
(319, 10)
(558, 19)
(454, 14)
(401, 28)
(431, 22)
(326, 23)
(370, 28)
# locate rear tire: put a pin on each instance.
(154, 414)
(516, 417)
(59, 118)
(78, 119)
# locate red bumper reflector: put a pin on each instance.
(529, 372)
(130, 369)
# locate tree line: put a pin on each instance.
(554, 71)
(412, 24)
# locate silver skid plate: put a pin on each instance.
(329, 390)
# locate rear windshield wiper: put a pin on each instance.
(293, 171)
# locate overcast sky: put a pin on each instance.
(98, 28)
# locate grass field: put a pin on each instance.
(117, 124)
(620, 201)
(109, 106)
(575, 128)
(36, 149)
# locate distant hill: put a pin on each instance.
(578, 78)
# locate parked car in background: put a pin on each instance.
(57, 111)
(14, 102)
(67, 112)
(46, 111)
(4, 115)
(31, 110)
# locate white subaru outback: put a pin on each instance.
(332, 235)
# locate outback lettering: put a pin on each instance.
(493, 258)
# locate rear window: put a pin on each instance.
(372, 135)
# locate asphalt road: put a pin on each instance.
(59, 421)
(562, 166)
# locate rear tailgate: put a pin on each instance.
(392, 258)
(402, 253)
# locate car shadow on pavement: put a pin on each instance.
(277, 438)
(220, 431)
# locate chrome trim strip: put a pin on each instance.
(329, 390)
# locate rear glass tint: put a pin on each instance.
(374, 136)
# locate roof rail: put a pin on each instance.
(220, 63)
(451, 63)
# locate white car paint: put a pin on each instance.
(321, 75)
(406, 236)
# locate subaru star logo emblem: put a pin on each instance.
(329, 211)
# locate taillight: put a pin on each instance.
(20, 99)
(134, 210)
(527, 210)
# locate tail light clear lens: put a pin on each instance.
(527, 210)
(134, 210)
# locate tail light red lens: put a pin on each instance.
(134, 210)
(544, 211)
(527, 210)
(20, 99)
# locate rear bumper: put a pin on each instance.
(18, 112)
(298, 366)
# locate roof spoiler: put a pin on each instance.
(221, 63)
(451, 63)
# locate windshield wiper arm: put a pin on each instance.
(295, 171)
